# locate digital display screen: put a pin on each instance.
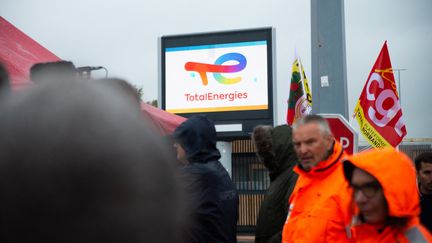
(216, 77)
(226, 76)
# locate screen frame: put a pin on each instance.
(248, 118)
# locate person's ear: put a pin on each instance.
(329, 138)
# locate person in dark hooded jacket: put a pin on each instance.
(275, 150)
(213, 199)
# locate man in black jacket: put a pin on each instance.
(423, 164)
(275, 150)
(213, 199)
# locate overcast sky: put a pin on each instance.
(123, 37)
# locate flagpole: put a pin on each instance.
(301, 71)
(372, 129)
(399, 87)
(399, 92)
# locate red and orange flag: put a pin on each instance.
(378, 110)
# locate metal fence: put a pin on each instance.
(412, 150)
(251, 179)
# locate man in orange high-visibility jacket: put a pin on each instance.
(319, 204)
(385, 192)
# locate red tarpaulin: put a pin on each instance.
(18, 52)
(163, 121)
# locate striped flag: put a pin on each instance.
(300, 97)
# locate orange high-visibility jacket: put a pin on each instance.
(319, 204)
(396, 174)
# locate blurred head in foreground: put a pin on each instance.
(78, 164)
(4, 80)
(53, 71)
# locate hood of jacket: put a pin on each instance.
(283, 147)
(197, 136)
(275, 148)
(396, 174)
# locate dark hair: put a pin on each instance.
(123, 86)
(348, 169)
(79, 164)
(397, 221)
(391, 221)
(263, 141)
(53, 71)
(425, 157)
(4, 79)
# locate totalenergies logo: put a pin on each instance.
(218, 68)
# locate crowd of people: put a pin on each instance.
(372, 196)
(79, 163)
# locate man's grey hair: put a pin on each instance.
(317, 119)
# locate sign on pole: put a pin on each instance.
(343, 132)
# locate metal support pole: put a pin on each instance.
(329, 77)
(398, 70)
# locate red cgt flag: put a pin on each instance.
(378, 110)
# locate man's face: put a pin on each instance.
(425, 177)
(311, 145)
(369, 197)
(181, 154)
